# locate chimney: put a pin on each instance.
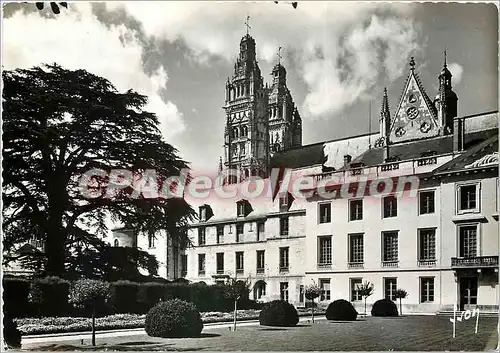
(347, 160)
(458, 134)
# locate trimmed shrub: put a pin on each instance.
(279, 313)
(174, 319)
(341, 310)
(384, 307)
(150, 294)
(124, 297)
(11, 335)
(15, 297)
(50, 296)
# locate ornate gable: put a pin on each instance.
(416, 116)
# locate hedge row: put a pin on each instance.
(49, 297)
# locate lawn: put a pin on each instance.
(412, 333)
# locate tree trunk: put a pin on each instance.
(235, 308)
(312, 311)
(54, 249)
(93, 326)
(365, 306)
(400, 308)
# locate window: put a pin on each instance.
(284, 200)
(426, 199)
(390, 246)
(260, 230)
(220, 234)
(390, 285)
(203, 214)
(241, 209)
(355, 284)
(151, 241)
(325, 286)
(356, 248)
(284, 291)
(201, 264)
(355, 210)
(239, 232)
(260, 261)
(426, 244)
(325, 250)
(184, 265)
(468, 197)
(301, 294)
(426, 289)
(390, 207)
(239, 262)
(284, 226)
(219, 283)
(325, 212)
(284, 252)
(220, 263)
(201, 236)
(468, 241)
(116, 243)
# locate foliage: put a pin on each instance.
(150, 294)
(124, 295)
(384, 307)
(53, 5)
(313, 291)
(16, 296)
(279, 313)
(366, 289)
(400, 294)
(236, 289)
(341, 310)
(11, 334)
(57, 125)
(174, 319)
(50, 295)
(89, 292)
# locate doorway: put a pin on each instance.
(468, 291)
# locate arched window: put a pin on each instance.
(116, 243)
(259, 290)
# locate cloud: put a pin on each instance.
(456, 70)
(77, 39)
(340, 51)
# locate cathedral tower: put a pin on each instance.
(446, 102)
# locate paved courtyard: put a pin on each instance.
(414, 333)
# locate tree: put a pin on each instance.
(312, 292)
(400, 294)
(58, 124)
(365, 290)
(53, 6)
(235, 290)
(90, 294)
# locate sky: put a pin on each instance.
(339, 56)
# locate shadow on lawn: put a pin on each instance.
(127, 346)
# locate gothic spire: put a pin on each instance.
(385, 115)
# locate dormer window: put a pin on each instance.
(392, 159)
(285, 200)
(205, 213)
(243, 208)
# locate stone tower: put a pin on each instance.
(246, 144)
(446, 101)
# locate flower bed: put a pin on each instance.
(36, 326)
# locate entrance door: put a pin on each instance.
(468, 291)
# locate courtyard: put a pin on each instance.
(410, 333)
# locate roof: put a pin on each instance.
(416, 149)
(482, 155)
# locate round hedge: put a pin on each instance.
(384, 307)
(279, 313)
(174, 319)
(341, 310)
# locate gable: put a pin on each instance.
(415, 117)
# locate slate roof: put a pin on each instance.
(475, 153)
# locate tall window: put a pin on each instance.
(468, 241)
(390, 206)
(390, 246)
(427, 202)
(220, 234)
(284, 291)
(426, 244)
(325, 250)
(468, 197)
(184, 265)
(325, 212)
(239, 262)
(116, 243)
(284, 253)
(301, 294)
(201, 264)
(325, 286)
(239, 232)
(151, 241)
(220, 263)
(203, 214)
(426, 289)
(260, 230)
(355, 283)
(390, 286)
(284, 226)
(356, 251)
(241, 209)
(355, 210)
(201, 236)
(261, 263)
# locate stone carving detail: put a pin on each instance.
(380, 142)
(400, 131)
(488, 160)
(425, 127)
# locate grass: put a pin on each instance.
(412, 333)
